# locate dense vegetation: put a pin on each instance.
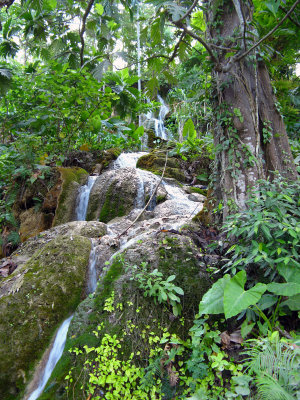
(78, 76)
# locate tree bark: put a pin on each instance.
(249, 132)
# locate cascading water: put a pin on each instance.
(60, 339)
(55, 354)
(83, 199)
(159, 126)
(127, 160)
(92, 280)
(170, 214)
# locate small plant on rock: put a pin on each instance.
(154, 285)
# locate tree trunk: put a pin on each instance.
(249, 134)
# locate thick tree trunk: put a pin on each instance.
(250, 135)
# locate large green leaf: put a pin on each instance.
(293, 303)
(290, 273)
(189, 130)
(236, 298)
(155, 32)
(99, 9)
(284, 289)
(138, 133)
(273, 5)
(212, 301)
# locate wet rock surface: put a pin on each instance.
(168, 252)
(154, 237)
(34, 299)
(113, 194)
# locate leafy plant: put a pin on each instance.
(275, 365)
(108, 374)
(267, 233)
(153, 284)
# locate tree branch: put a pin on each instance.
(82, 29)
(268, 34)
(188, 12)
(6, 3)
(198, 38)
(289, 17)
(177, 47)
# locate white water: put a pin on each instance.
(128, 160)
(140, 196)
(92, 280)
(83, 199)
(172, 212)
(55, 354)
(159, 127)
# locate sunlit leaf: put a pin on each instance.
(236, 298)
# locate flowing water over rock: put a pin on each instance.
(173, 212)
(149, 121)
(92, 279)
(83, 199)
(127, 160)
(160, 129)
(55, 354)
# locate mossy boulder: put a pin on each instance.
(113, 195)
(34, 300)
(155, 161)
(92, 230)
(132, 317)
(71, 180)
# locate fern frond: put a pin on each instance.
(276, 366)
(269, 388)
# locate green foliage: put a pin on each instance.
(189, 130)
(153, 285)
(61, 108)
(267, 255)
(267, 132)
(109, 375)
(275, 365)
(268, 230)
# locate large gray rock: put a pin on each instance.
(92, 229)
(114, 194)
(34, 300)
(133, 317)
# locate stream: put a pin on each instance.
(171, 214)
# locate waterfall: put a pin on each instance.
(157, 124)
(55, 354)
(160, 129)
(128, 160)
(83, 199)
(60, 339)
(169, 215)
(92, 280)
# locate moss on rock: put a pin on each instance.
(72, 179)
(205, 216)
(155, 161)
(135, 319)
(35, 299)
(198, 190)
(113, 195)
(110, 155)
